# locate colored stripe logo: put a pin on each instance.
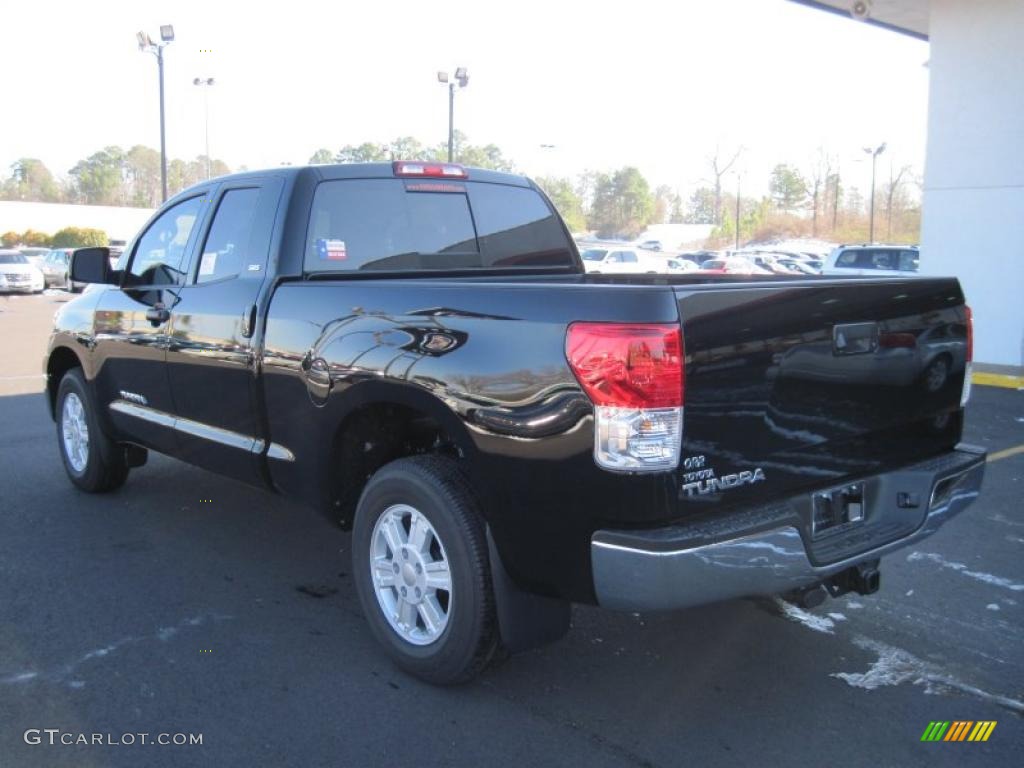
(958, 730)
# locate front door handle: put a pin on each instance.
(158, 314)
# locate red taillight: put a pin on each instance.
(970, 333)
(897, 340)
(627, 365)
(431, 170)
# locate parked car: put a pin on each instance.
(618, 261)
(681, 265)
(878, 260)
(803, 267)
(416, 350)
(34, 255)
(651, 245)
(768, 262)
(18, 274)
(56, 267)
(732, 265)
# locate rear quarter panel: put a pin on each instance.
(502, 389)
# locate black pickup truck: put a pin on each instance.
(416, 350)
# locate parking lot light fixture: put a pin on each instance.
(462, 77)
(874, 152)
(157, 49)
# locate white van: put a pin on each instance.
(613, 260)
(880, 260)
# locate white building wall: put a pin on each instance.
(974, 180)
(119, 223)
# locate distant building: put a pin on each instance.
(119, 223)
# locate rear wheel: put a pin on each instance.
(421, 570)
(93, 461)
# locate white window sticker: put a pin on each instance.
(208, 265)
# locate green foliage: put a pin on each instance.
(623, 204)
(700, 208)
(79, 237)
(566, 201)
(34, 238)
(30, 180)
(10, 239)
(98, 178)
(142, 174)
(788, 188)
(321, 157)
(408, 148)
(367, 152)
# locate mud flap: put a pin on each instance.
(525, 620)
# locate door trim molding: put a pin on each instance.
(201, 430)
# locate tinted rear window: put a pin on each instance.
(395, 224)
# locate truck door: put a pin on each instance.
(131, 329)
(211, 361)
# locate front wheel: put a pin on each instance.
(93, 461)
(421, 570)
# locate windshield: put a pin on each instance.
(13, 258)
(594, 254)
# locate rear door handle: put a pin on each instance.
(158, 314)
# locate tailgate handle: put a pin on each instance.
(854, 338)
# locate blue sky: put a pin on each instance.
(652, 84)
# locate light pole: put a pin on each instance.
(206, 81)
(157, 49)
(462, 77)
(738, 176)
(874, 157)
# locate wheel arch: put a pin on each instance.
(382, 423)
(60, 360)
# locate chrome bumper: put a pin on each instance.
(631, 575)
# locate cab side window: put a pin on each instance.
(847, 259)
(908, 261)
(161, 252)
(226, 248)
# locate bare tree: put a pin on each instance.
(719, 167)
(820, 174)
(890, 193)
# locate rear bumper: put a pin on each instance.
(683, 566)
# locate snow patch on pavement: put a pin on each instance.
(896, 666)
(809, 620)
(66, 671)
(992, 607)
(837, 617)
(988, 578)
(21, 677)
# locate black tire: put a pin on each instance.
(435, 488)
(105, 468)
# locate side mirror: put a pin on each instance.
(92, 265)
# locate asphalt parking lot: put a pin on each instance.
(189, 603)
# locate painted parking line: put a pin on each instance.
(1005, 454)
(997, 380)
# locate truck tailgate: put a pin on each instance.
(795, 385)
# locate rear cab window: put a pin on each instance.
(418, 224)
